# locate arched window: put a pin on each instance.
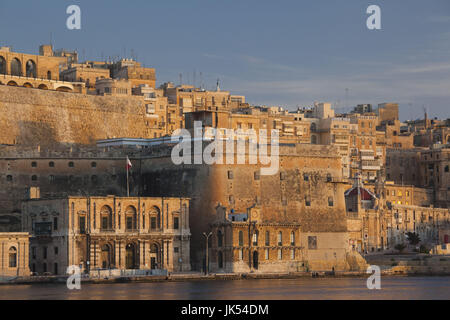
(292, 238)
(241, 238)
(155, 218)
(13, 257)
(106, 218)
(2, 65)
(130, 218)
(154, 256)
(219, 239)
(267, 238)
(280, 238)
(255, 238)
(16, 67)
(31, 69)
(330, 201)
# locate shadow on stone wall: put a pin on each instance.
(36, 133)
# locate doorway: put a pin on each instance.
(255, 260)
(130, 256)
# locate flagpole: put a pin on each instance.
(128, 185)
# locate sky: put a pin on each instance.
(286, 53)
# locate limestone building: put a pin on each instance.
(307, 190)
(108, 233)
(14, 252)
(244, 242)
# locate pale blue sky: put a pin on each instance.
(284, 53)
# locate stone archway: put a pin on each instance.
(13, 257)
(2, 65)
(12, 84)
(30, 68)
(16, 67)
(43, 87)
(27, 85)
(106, 256)
(154, 256)
(130, 256)
(64, 89)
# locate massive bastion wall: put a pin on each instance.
(32, 117)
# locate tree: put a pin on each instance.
(400, 247)
(413, 238)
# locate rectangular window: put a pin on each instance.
(56, 251)
(129, 223)
(13, 260)
(312, 242)
(104, 223)
(255, 238)
(176, 225)
(153, 223)
(241, 254)
(33, 252)
(292, 254)
(307, 201)
(82, 222)
(267, 254)
(44, 252)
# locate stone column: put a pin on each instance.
(118, 255)
(171, 254)
(93, 254)
(141, 255)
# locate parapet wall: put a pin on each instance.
(33, 117)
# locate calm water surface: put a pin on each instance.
(285, 289)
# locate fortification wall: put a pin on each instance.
(281, 196)
(33, 117)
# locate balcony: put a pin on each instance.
(107, 230)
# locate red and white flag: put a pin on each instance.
(129, 165)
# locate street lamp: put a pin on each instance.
(207, 245)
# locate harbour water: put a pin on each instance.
(392, 288)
